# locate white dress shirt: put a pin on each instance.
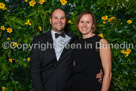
(59, 43)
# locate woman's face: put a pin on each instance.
(85, 24)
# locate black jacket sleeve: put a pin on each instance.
(35, 68)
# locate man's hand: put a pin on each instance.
(100, 76)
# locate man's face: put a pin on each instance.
(58, 21)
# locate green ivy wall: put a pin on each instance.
(21, 20)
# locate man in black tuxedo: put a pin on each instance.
(51, 69)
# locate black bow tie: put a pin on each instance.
(62, 34)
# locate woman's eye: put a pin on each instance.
(82, 22)
(88, 22)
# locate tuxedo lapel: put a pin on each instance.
(49, 39)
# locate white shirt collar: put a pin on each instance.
(53, 34)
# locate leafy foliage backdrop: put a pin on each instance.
(21, 20)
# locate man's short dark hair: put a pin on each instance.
(57, 9)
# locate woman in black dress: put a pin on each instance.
(95, 54)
